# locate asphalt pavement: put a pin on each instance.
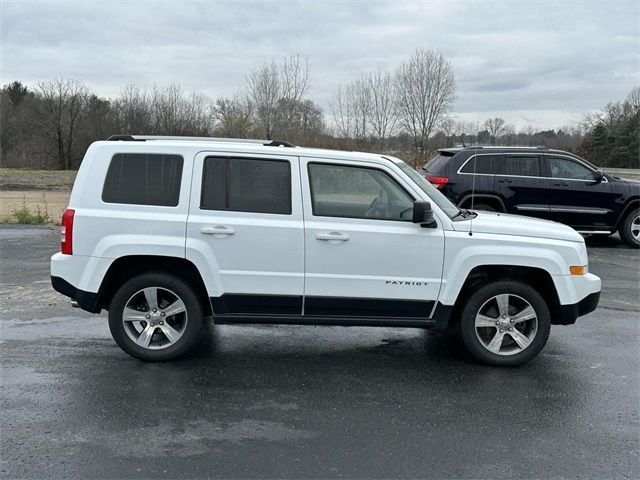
(311, 402)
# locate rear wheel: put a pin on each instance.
(155, 317)
(630, 228)
(505, 323)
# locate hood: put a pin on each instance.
(506, 224)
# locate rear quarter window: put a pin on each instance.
(437, 163)
(480, 164)
(143, 179)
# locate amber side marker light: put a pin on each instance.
(578, 270)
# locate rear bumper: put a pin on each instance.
(569, 313)
(86, 300)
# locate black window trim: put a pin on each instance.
(145, 205)
(348, 165)
(244, 157)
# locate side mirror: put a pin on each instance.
(599, 175)
(423, 215)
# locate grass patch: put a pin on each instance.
(27, 217)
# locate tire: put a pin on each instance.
(531, 334)
(484, 207)
(160, 335)
(630, 228)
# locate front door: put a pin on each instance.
(575, 197)
(364, 256)
(245, 224)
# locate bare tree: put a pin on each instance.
(448, 128)
(382, 111)
(633, 99)
(426, 92)
(133, 111)
(233, 116)
(341, 108)
(495, 128)
(264, 90)
(360, 97)
(59, 115)
(295, 77)
(295, 80)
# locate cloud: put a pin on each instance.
(560, 58)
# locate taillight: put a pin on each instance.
(439, 182)
(66, 232)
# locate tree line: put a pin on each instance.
(406, 111)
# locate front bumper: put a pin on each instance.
(568, 314)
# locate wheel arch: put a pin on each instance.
(124, 268)
(538, 278)
(492, 200)
(631, 204)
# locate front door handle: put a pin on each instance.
(218, 230)
(561, 184)
(333, 237)
(504, 181)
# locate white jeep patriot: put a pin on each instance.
(165, 231)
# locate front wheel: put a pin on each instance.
(505, 323)
(155, 317)
(630, 228)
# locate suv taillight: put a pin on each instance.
(439, 182)
(66, 232)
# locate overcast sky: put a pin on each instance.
(540, 63)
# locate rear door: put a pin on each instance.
(364, 256)
(575, 197)
(520, 181)
(245, 224)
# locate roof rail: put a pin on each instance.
(144, 138)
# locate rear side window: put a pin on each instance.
(143, 179)
(519, 165)
(480, 164)
(246, 185)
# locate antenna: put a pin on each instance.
(462, 140)
(473, 183)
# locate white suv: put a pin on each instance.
(165, 231)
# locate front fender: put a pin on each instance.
(464, 253)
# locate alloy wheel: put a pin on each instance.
(154, 318)
(506, 324)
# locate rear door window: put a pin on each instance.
(519, 165)
(143, 179)
(246, 185)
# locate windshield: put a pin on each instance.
(434, 194)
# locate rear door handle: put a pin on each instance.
(333, 237)
(561, 184)
(505, 181)
(217, 230)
